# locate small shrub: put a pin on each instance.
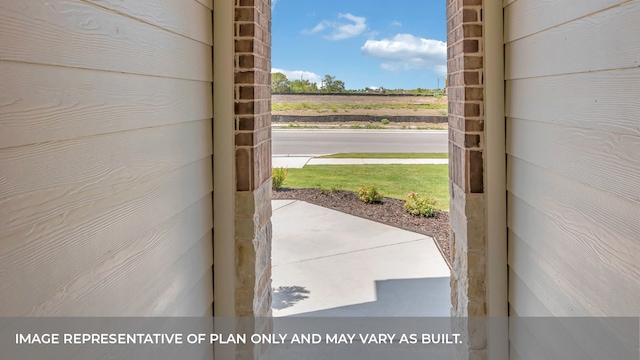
(279, 175)
(419, 205)
(327, 190)
(385, 121)
(370, 194)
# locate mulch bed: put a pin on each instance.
(389, 212)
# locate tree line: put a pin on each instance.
(329, 84)
(280, 84)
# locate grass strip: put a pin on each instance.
(394, 181)
(357, 155)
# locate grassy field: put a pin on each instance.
(394, 181)
(386, 156)
(323, 108)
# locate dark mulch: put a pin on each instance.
(389, 212)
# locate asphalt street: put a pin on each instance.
(329, 141)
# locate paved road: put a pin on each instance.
(319, 141)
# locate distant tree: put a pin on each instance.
(303, 86)
(331, 85)
(280, 83)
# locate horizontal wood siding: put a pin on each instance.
(588, 100)
(187, 18)
(43, 103)
(582, 45)
(535, 16)
(105, 158)
(573, 139)
(593, 157)
(78, 34)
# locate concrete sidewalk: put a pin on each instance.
(327, 263)
(298, 162)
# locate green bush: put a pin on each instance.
(325, 191)
(279, 175)
(419, 205)
(385, 121)
(370, 194)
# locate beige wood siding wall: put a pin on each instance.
(105, 157)
(573, 152)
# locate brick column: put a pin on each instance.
(252, 29)
(466, 172)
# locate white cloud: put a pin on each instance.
(321, 26)
(396, 23)
(341, 30)
(407, 52)
(346, 31)
(299, 74)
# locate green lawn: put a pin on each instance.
(386, 156)
(394, 181)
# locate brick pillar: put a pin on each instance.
(466, 175)
(252, 31)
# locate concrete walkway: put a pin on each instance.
(299, 161)
(327, 263)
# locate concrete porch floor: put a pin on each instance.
(327, 263)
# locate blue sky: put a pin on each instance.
(365, 43)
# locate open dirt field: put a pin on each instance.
(382, 106)
(338, 104)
